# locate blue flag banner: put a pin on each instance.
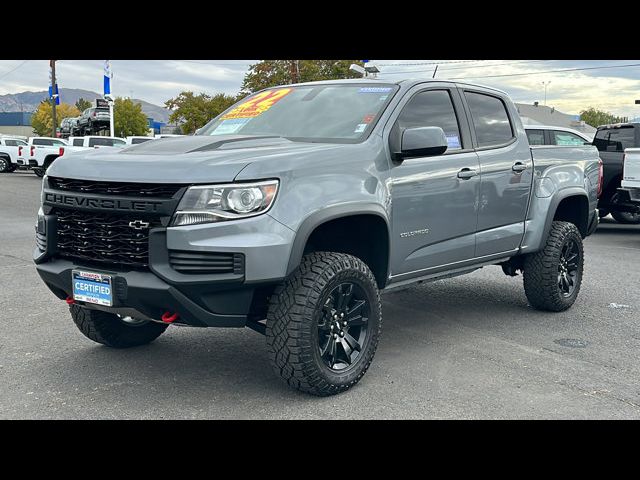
(57, 95)
(107, 77)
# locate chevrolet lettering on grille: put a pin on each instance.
(101, 203)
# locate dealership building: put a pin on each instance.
(16, 123)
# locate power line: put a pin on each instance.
(427, 63)
(13, 69)
(526, 73)
(465, 67)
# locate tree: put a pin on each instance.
(595, 118)
(269, 73)
(129, 118)
(42, 121)
(194, 111)
(83, 104)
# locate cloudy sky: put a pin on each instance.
(614, 88)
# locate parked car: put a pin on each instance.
(612, 141)
(66, 126)
(291, 210)
(9, 153)
(630, 189)
(552, 135)
(93, 119)
(136, 139)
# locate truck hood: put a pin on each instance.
(194, 159)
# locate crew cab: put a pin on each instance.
(294, 208)
(9, 153)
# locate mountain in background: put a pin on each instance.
(28, 102)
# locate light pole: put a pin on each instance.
(545, 91)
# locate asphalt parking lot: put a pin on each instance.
(468, 347)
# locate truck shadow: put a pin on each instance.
(210, 370)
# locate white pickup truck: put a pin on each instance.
(9, 153)
(631, 176)
(43, 151)
(38, 151)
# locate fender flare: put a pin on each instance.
(555, 202)
(314, 220)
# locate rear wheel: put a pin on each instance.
(626, 217)
(323, 324)
(39, 171)
(552, 276)
(112, 330)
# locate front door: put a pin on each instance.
(434, 198)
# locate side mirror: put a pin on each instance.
(422, 142)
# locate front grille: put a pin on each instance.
(206, 262)
(41, 241)
(126, 189)
(104, 238)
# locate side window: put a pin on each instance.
(432, 108)
(536, 137)
(77, 142)
(566, 138)
(11, 143)
(42, 141)
(490, 119)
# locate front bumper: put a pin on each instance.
(203, 300)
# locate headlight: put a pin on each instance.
(218, 203)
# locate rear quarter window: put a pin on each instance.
(535, 137)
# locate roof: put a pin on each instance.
(542, 115)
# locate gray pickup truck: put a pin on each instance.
(291, 211)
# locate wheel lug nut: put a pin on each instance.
(342, 334)
(344, 324)
(335, 335)
(335, 317)
(342, 315)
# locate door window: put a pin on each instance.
(566, 138)
(536, 137)
(490, 119)
(432, 108)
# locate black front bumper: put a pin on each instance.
(199, 305)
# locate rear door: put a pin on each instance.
(506, 173)
(433, 208)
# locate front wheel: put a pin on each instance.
(626, 217)
(552, 276)
(323, 324)
(112, 330)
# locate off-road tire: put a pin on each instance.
(541, 270)
(626, 218)
(108, 329)
(292, 323)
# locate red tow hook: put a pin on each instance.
(70, 301)
(167, 317)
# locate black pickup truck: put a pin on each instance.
(611, 141)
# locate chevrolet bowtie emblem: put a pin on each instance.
(139, 225)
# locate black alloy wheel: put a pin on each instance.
(568, 268)
(342, 328)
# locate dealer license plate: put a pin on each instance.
(92, 287)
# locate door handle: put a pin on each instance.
(467, 173)
(519, 167)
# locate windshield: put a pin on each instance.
(343, 113)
